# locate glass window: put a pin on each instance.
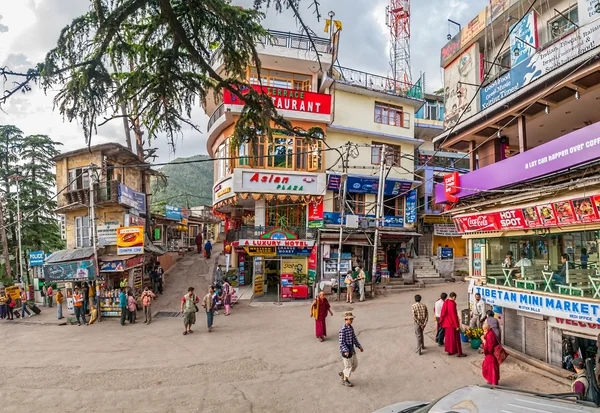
(394, 153)
(243, 154)
(393, 206)
(389, 114)
(280, 79)
(563, 24)
(82, 232)
(281, 153)
(285, 214)
(78, 179)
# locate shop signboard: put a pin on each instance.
(334, 218)
(296, 267)
(131, 198)
(273, 243)
(445, 230)
(315, 214)
(223, 190)
(134, 261)
(588, 10)
(107, 235)
(533, 302)
(496, 8)
(477, 261)
(111, 266)
(312, 266)
(545, 215)
(447, 253)
(437, 219)
(70, 271)
(523, 39)
(286, 99)
(258, 281)
(261, 251)
(357, 184)
(473, 28)
(13, 292)
(287, 283)
(411, 207)
(583, 327)
(131, 220)
(173, 212)
(449, 50)
(36, 258)
(293, 251)
(568, 48)
(130, 240)
(572, 149)
(278, 182)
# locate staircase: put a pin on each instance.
(394, 286)
(425, 272)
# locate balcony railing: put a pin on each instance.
(288, 40)
(379, 83)
(219, 111)
(107, 192)
(256, 232)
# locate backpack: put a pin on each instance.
(593, 393)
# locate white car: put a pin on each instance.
(488, 399)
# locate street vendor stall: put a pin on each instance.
(115, 270)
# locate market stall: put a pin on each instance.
(115, 269)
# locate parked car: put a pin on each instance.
(490, 399)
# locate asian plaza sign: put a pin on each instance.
(275, 182)
(287, 99)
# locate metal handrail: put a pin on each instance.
(376, 82)
(219, 111)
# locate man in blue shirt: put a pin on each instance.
(123, 305)
(348, 341)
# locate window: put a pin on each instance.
(391, 115)
(243, 155)
(355, 204)
(504, 61)
(285, 214)
(222, 156)
(78, 179)
(393, 206)
(82, 232)
(277, 78)
(281, 153)
(563, 24)
(394, 154)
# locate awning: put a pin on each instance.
(109, 258)
(149, 247)
(70, 255)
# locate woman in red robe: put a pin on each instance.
(490, 367)
(450, 323)
(319, 309)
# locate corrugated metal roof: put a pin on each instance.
(150, 247)
(70, 255)
(110, 258)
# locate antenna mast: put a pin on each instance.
(398, 20)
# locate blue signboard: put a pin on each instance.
(293, 251)
(36, 258)
(357, 184)
(334, 218)
(173, 212)
(447, 253)
(411, 207)
(131, 198)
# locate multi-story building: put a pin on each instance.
(531, 197)
(279, 198)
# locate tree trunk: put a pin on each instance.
(4, 241)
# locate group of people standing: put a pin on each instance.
(350, 281)
(210, 303)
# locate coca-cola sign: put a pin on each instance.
(483, 222)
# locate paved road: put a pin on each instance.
(260, 359)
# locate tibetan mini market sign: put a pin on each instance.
(544, 215)
(278, 182)
(287, 99)
(70, 271)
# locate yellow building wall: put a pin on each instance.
(113, 214)
(459, 244)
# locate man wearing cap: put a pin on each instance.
(348, 341)
(581, 384)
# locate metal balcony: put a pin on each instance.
(104, 193)
(219, 111)
(378, 83)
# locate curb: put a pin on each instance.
(546, 370)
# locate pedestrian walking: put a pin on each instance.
(581, 384)
(319, 310)
(348, 341)
(147, 297)
(43, 292)
(49, 294)
(123, 304)
(420, 315)
(477, 312)
(161, 278)
(3, 306)
(131, 307)
(349, 281)
(437, 312)
(451, 324)
(494, 324)
(208, 305)
(208, 249)
(59, 302)
(78, 306)
(189, 309)
(490, 369)
(24, 308)
(361, 283)
(10, 308)
(219, 274)
(85, 292)
(198, 241)
(226, 293)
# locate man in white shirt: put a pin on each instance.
(477, 312)
(437, 311)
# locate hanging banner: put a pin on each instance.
(411, 207)
(315, 214)
(70, 271)
(523, 39)
(588, 10)
(445, 230)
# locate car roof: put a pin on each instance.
(490, 400)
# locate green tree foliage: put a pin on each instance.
(40, 230)
(189, 184)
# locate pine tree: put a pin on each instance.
(41, 230)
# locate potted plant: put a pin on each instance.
(474, 335)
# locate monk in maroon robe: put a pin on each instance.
(451, 324)
(490, 369)
(319, 309)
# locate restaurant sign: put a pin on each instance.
(70, 271)
(286, 99)
(533, 302)
(278, 182)
(549, 214)
(223, 190)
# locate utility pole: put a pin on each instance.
(5, 250)
(92, 219)
(17, 179)
(379, 207)
(342, 202)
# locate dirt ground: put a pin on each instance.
(260, 359)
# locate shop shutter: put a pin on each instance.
(535, 338)
(513, 329)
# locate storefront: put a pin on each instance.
(113, 270)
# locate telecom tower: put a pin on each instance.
(398, 20)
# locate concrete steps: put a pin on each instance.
(424, 268)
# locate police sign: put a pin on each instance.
(36, 258)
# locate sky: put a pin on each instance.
(30, 28)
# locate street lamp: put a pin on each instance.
(17, 177)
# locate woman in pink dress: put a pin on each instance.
(319, 309)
